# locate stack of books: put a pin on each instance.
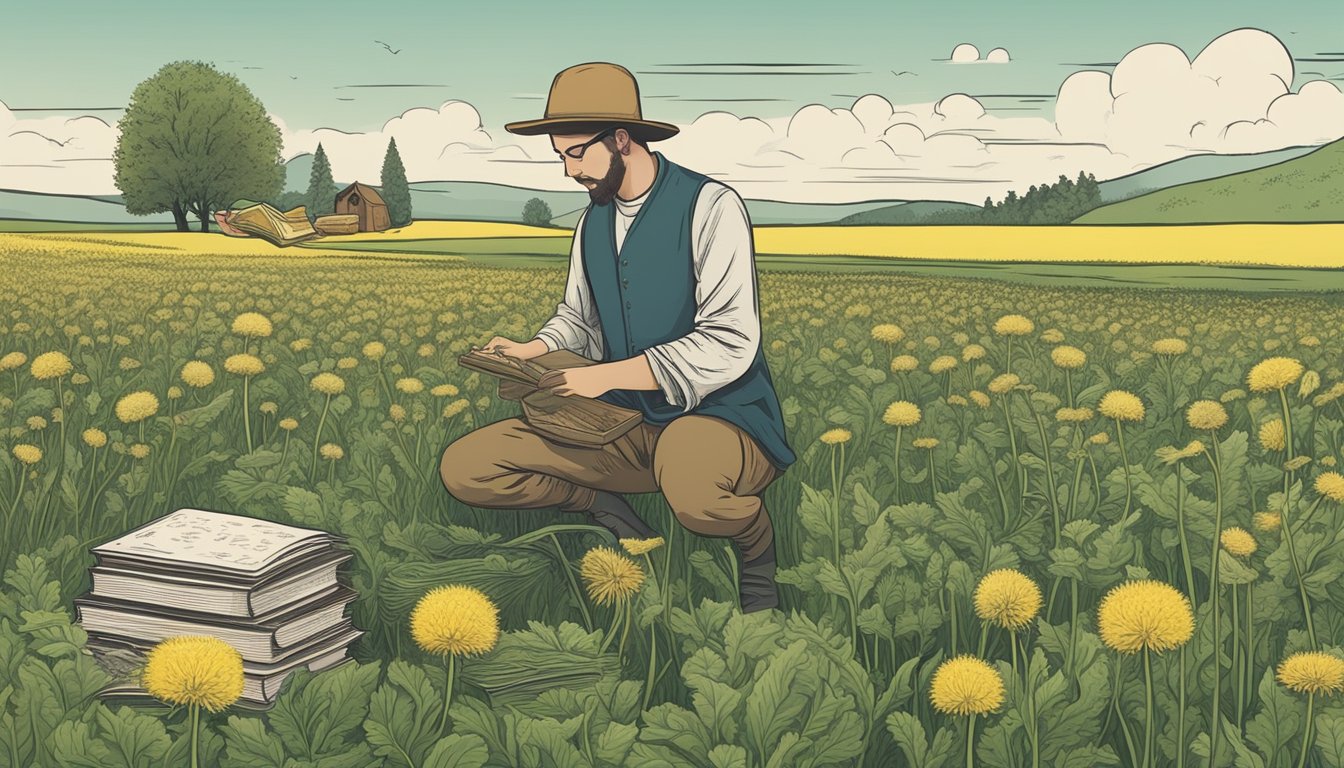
(265, 221)
(271, 591)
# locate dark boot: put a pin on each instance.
(613, 513)
(756, 581)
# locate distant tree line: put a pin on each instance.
(1058, 203)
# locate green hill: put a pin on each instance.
(1303, 189)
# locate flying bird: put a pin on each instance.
(903, 72)
(293, 77)
(388, 47)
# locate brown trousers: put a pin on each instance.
(711, 472)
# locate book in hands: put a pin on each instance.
(571, 419)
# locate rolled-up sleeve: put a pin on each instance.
(575, 325)
(727, 331)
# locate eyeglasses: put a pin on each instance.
(583, 148)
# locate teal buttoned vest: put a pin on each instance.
(646, 296)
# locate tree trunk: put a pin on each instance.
(205, 218)
(180, 217)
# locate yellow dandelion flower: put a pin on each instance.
(299, 345)
(904, 363)
(456, 619)
(79, 378)
(1238, 542)
(1121, 406)
(1272, 436)
(1068, 357)
(444, 390)
(1008, 598)
(328, 384)
(1267, 521)
(942, 364)
(925, 442)
(1313, 672)
(94, 437)
(1170, 347)
(374, 350)
(27, 454)
(137, 406)
(888, 333)
(36, 423)
(1013, 325)
(1330, 485)
(901, 413)
(1052, 335)
(410, 385)
(966, 685)
(50, 365)
(346, 363)
(331, 451)
(457, 406)
(396, 413)
(1145, 614)
(956, 400)
(288, 424)
(979, 398)
(201, 671)
(140, 450)
(174, 392)
(1003, 383)
(244, 365)
(270, 407)
(609, 575)
(640, 546)
(1073, 415)
(1206, 414)
(12, 360)
(252, 324)
(836, 435)
(1273, 373)
(972, 352)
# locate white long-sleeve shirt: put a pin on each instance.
(727, 332)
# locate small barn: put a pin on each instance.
(366, 203)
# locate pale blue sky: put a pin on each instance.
(320, 69)
(300, 58)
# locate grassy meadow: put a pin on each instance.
(1043, 514)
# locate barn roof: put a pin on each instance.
(368, 193)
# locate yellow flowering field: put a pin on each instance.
(1028, 525)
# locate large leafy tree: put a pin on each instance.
(395, 191)
(193, 140)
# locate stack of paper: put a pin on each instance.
(271, 591)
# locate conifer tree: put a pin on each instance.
(321, 197)
(395, 190)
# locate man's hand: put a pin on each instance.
(520, 350)
(582, 380)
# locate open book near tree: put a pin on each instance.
(565, 418)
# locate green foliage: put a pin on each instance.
(321, 194)
(393, 187)
(536, 212)
(192, 141)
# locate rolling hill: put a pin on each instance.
(1306, 188)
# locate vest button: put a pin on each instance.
(627, 305)
(625, 263)
(625, 282)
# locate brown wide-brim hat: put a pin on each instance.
(587, 98)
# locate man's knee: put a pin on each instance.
(693, 461)
(469, 463)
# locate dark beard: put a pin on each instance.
(606, 187)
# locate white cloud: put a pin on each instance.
(1234, 97)
(56, 154)
(1156, 106)
(965, 53)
